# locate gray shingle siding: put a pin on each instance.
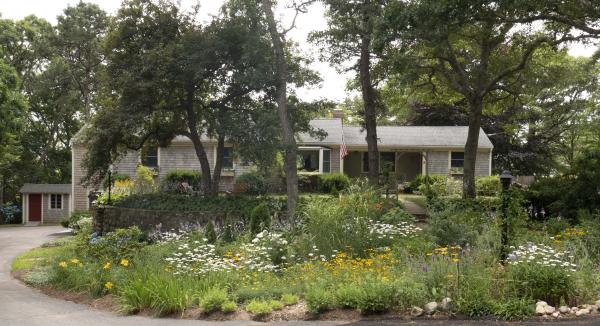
(51, 216)
(437, 162)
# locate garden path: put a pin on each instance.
(23, 306)
(418, 211)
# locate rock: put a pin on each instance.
(564, 309)
(416, 312)
(549, 309)
(430, 308)
(556, 314)
(446, 304)
(593, 309)
(582, 312)
(597, 303)
(574, 310)
(541, 303)
(540, 310)
(584, 306)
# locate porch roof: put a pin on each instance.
(45, 188)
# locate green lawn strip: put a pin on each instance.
(417, 199)
(38, 257)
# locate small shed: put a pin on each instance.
(45, 203)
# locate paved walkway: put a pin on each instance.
(24, 306)
(419, 212)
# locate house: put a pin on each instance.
(404, 150)
(45, 203)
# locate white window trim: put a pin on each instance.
(362, 161)
(450, 163)
(321, 150)
(50, 202)
(233, 165)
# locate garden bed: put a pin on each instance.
(347, 257)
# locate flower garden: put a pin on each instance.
(356, 253)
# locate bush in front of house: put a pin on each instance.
(333, 182)
(10, 214)
(252, 183)
(115, 178)
(260, 219)
(72, 221)
(173, 180)
(487, 186)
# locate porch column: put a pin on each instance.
(341, 163)
(424, 163)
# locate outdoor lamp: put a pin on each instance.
(505, 179)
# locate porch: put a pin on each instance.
(406, 165)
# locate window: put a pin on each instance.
(56, 201)
(386, 160)
(457, 162)
(326, 161)
(150, 156)
(227, 158)
(308, 160)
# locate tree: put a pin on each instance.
(476, 47)
(12, 111)
(352, 27)
(78, 41)
(172, 77)
(283, 77)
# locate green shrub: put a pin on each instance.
(228, 235)
(376, 296)
(537, 282)
(276, 304)
(213, 300)
(228, 307)
(173, 180)
(348, 295)
(515, 309)
(74, 218)
(487, 186)
(289, 299)
(144, 180)
(252, 183)
(39, 277)
(319, 299)
(259, 308)
(114, 246)
(260, 219)
(333, 181)
(454, 226)
(209, 232)
(476, 295)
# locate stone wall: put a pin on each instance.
(107, 219)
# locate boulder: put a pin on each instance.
(445, 305)
(574, 310)
(549, 309)
(564, 309)
(416, 312)
(541, 303)
(430, 308)
(597, 303)
(593, 309)
(556, 314)
(540, 310)
(581, 312)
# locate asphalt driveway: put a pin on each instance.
(24, 306)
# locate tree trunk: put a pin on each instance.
(198, 146)
(218, 165)
(476, 106)
(369, 102)
(289, 142)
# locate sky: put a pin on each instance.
(333, 86)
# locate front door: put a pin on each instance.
(35, 208)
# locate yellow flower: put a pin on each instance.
(108, 285)
(75, 261)
(107, 265)
(63, 264)
(455, 260)
(124, 262)
(80, 264)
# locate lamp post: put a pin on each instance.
(505, 180)
(110, 169)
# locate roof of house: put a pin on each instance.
(45, 188)
(395, 136)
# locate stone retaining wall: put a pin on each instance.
(107, 219)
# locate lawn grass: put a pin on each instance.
(39, 257)
(417, 199)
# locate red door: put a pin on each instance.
(35, 207)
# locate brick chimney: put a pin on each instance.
(338, 114)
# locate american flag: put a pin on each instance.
(343, 148)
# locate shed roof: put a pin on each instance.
(46, 188)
